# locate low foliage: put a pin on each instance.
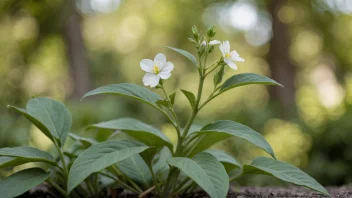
(148, 162)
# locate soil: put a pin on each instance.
(243, 192)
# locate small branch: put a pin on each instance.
(145, 193)
(57, 187)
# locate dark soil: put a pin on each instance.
(243, 192)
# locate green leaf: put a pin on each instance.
(160, 166)
(246, 79)
(172, 98)
(21, 182)
(86, 142)
(138, 130)
(164, 103)
(190, 96)
(206, 171)
(27, 154)
(229, 162)
(9, 161)
(283, 171)
(186, 54)
(223, 129)
(136, 169)
(50, 116)
(129, 90)
(219, 75)
(101, 156)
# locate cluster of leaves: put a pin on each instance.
(146, 162)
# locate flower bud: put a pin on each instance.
(192, 41)
(195, 33)
(211, 32)
(211, 49)
(219, 75)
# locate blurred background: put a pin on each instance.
(63, 49)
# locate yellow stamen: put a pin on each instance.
(227, 55)
(156, 69)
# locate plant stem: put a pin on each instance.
(134, 185)
(57, 187)
(181, 185)
(177, 127)
(90, 188)
(119, 182)
(186, 129)
(64, 166)
(155, 181)
(196, 107)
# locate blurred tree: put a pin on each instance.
(281, 66)
(72, 33)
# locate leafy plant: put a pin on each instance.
(150, 163)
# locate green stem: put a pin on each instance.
(64, 166)
(119, 182)
(181, 185)
(167, 183)
(185, 132)
(134, 185)
(96, 183)
(177, 127)
(90, 187)
(155, 181)
(57, 187)
(196, 107)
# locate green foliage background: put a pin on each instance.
(313, 132)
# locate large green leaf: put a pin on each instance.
(21, 182)
(25, 154)
(136, 169)
(246, 79)
(101, 156)
(206, 171)
(138, 130)
(129, 90)
(283, 171)
(229, 162)
(223, 129)
(186, 54)
(50, 116)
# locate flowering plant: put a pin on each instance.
(150, 163)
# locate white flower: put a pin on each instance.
(213, 42)
(230, 57)
(156, 69)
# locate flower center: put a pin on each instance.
(156, 69)
(227, 55)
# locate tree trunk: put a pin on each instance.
(282, 69)
(75, 49)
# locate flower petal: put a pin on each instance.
(230, 63)
(234, 53)
(168, 67)
(147, 65)
(236, 57)
(214, 42)
(160, 59)
(151, 79)
(226, 46)
(164, 75)
(239, 59)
